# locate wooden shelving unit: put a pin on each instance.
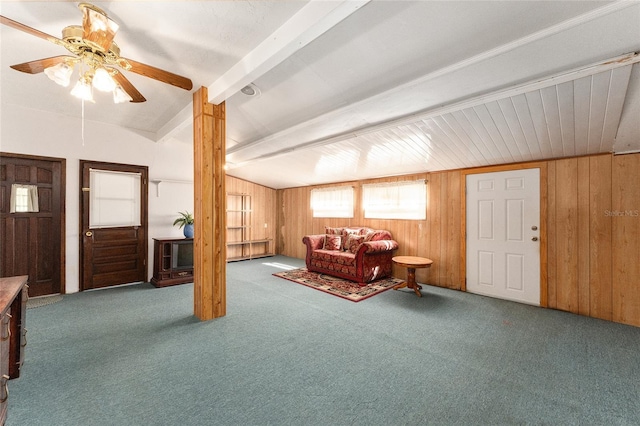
(241, 244)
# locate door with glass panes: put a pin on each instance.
(113, 215)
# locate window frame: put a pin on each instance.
(387, 200)
(338, 202)
(108, 209)
(22, 202)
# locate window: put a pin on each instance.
(115, 199)
(395, 200)
(24, 198)
(335, 201)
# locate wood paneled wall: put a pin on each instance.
(592, 240)
(594, 237)
(437, 237)
(263, 206)
(625, 237)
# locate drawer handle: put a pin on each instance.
(6, 389)
(8, 334)
(24, 337)
(182, 274)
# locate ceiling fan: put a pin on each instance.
(99, 57)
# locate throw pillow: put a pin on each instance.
(346, 232)
(332, 242)
(332, 231)
(353, 242)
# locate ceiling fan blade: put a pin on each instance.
(98, 29)
(160, 75)
(128, 87)
(17, 25)
(35, 67)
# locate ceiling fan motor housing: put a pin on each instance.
(74, 42)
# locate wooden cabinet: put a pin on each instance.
(243, 241)
(172, 261)
(13, 301)
(5, 330)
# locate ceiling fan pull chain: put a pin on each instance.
(82, 127)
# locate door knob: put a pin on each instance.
(534, 228)
(88, 233)
(534, 238)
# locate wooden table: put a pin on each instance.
(411, 263)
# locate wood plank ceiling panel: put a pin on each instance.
(491, 151)
(511, 116)
(599, 93)
(526, 123)
(617, 93)
(571, 118)
(463, 129)
(492, 129)
(552, 118)
(582, 106)
(536, 109)
(508, 142)
(440, 130)
(564, 92)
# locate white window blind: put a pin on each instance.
(395, 200)
(114, 199)
(24, 198)
(334, 201)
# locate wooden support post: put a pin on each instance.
(209, 248)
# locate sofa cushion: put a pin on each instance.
(332, 242)
(342, 262)
(334, 256)
(353, 242)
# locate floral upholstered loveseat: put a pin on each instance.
(357, 254)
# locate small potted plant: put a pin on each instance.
(185, 220)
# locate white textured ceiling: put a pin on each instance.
(357, 89)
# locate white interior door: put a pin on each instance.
(503, 233)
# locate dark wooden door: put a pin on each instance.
(111, 253)
(32, 243)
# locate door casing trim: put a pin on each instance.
(145, 216)
(63, 204)
(542, 165)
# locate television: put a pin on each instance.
(182, 255)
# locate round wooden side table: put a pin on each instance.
(411, 263)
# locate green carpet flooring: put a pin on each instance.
(286, 354)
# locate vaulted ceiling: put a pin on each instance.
(359, 89)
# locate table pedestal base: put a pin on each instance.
(410, 282)
(411, 263)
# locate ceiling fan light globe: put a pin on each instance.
(83, 89)
(120, 96)
(102, 80)
(60, 74)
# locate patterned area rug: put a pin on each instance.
(338, 286)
